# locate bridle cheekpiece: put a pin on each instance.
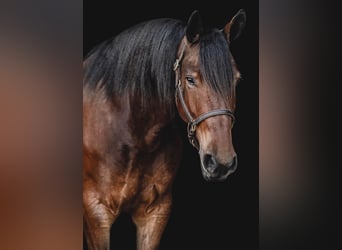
(193, 122)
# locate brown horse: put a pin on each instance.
(135, 86)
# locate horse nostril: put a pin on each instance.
(233, 163)
(210, 163)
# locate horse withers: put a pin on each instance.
(136, 85)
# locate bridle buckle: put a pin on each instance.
(192, 126)
(176, 64)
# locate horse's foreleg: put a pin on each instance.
(151, 224)
(97, 223)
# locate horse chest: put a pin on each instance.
(139, 190)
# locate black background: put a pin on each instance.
(204, 215)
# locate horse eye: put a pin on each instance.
(190, 80)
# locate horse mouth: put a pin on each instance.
(217, 177)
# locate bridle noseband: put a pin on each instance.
(193, 123)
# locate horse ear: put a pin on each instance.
(235, 26)
(194, 27)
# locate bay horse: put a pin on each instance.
(138, 86)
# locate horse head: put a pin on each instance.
(206, 78)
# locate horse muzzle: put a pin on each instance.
(215, 171)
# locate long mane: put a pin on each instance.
(216, 62)
(138, 63)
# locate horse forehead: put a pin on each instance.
(192, 55)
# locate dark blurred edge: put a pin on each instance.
(41, 124)
(300, 67)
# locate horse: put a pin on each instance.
(138, 87)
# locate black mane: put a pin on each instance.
(216, 62)
(139, 62)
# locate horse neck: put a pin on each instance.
(149, 125)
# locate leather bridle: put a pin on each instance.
(193, 122)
